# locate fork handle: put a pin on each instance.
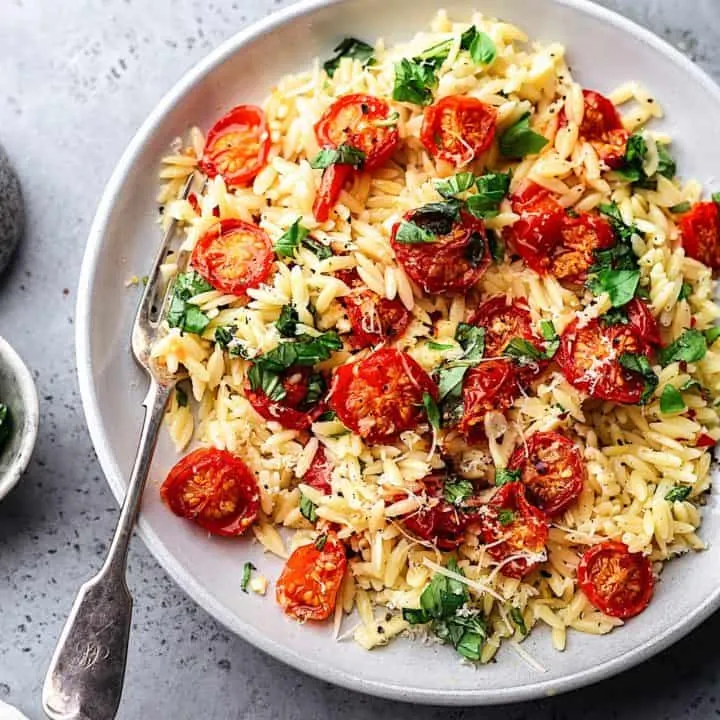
(85, 678)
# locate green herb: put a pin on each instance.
(457, 490)
(519, 140)
(666, 166)
(414, 81)
(428, 222)
(506, 517)
(181, 313)
(682, 207)
(439, 346)
(266, 381)
(622, 229)
(431, 408)
(552, 339)
(678, 493)
(223, 337)
(323, 252)
(716, 198)
(685, 291)
(6, 424)
(711, 335)
(620, 285)
(455, 185)
(621, 256)
(287, 322)
(316, 389)
(353, 48)
(389, 121)
(523, 351)
(497, 246)
(691, 384)
(411, 234)
(492, 188)
(671, 401)
(308, 509)
(344, 154)
(305, 351)
(475, 250)
(641, 365)
(320, 542)
(467, 633)
(472, 341)
(517, 617)
(691, 346)
(450, 380)
(503, 476)
(248, 567)
(181, 397)
(327, 416)
(290, 240)
(480, 46)
(632, 169)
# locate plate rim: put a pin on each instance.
(115, 478)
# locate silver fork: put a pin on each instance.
(85, 678)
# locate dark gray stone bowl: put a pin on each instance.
(12, 210)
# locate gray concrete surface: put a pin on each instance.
(76, 79)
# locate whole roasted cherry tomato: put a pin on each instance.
(382, 395)
(458, 128)
(237, 146)
(233, 256)
(552, 471)
(439, 521)
(602, 127)
(700, 233)
(616, 581)
(454, 261)
(215, 489)
(513, 528)
(308, 585)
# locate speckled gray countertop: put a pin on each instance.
(77, 79)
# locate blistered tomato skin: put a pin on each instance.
(700, 233)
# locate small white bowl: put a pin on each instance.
(17, 391)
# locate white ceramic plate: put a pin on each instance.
(604, 50)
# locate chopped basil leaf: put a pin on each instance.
(223, 337)
(671, 401)
(320, 542)
(620, 285)
(519, 140)
(475, 251)
(682, 207)
(506, 517)
(323, 252)
(287, 322)
(248, 567)
(523, 351)
(266, 381)
(443, 596)
(666, 166)
(621, 256)
(635, 151)
(308, 509)
(414, 81)
(290, 240)
(457, 490)
(316, 389)
(450, 380)
(435, 55)
(503, 476)
(195, 320)
(552, 339)
(689, 347)
(181, 397)
(455, 185)
(517, 617)
(439, 346)
(327, 416)
(182, 314)
(685, 291)
(492, 188)
(437, 218)
(431, 408)
(353, 48)
(341, 155)
(467, 633)
(678, 493)
(190, 284)
(497, 246)
(716, 198)
(641, 365)
(411, 234)
(711, 335)
(305, 351)
(615, 316)
(691, 384)
(482, 48)
(472, 341)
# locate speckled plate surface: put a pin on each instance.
(604, 50)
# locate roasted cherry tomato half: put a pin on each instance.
(458, 128)
(319, 474)
(439, 521)
(551, 242)
(374, 319)
(454, 262)
(332, 182)
(589, 357)
(293, 411)
(700, 233)
(512, 527)
(237, 146)
(308, 585)
(215, 489)
(491, 385)
(602, 127)
(616, 581)
(361, 121)
(552, 471)
(382, 395)
(233, 256)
